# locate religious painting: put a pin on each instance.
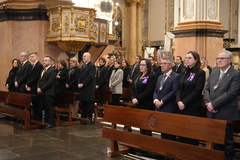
(106, 7)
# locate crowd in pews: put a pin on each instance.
(185, 86)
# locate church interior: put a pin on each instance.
(121, 29)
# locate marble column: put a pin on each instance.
(199, 29)
(139, 27)
(133, 30)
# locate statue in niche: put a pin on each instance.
(149, 51)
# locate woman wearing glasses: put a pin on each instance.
(189, 95)
(142, 89)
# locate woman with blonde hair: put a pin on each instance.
(204, 67)
(72, 82)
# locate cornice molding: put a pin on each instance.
(199, 33)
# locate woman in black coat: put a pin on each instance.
(126, 69)
(62, 76)
(142, 89)
(189, 95)
(10, 80)
(72, 82)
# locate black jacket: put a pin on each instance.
(72, 80)
(102, 77)
(61, 82)
(46, 83)
(34, 77)
(87, 78)
(10, 79)
(22, 76)
(143, 89)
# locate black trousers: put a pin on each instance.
(37, 107)
(116, 99)
(228, 147)
(47, 105)
(146, 132)
(87, 109)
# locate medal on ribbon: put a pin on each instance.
(191, 76)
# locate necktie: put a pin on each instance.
(162, 81)
(43, 72)
(177, 68)
(220, 77)
(133, 69)
(219, 80)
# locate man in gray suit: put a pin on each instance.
(221, 98)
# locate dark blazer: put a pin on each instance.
(102, 77)
(143, 89)
(190, 92)
(156, 70)
(22, 76)
(87, 78)
(223, 98)
(46, 83)
(179, 70)
(72, 80)
(10, 79)
(168, 93)
(61, 82)
(34, 77)
(126, 72)
(134, 72)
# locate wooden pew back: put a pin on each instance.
(209, 130)
(19, 99)
(105, 96)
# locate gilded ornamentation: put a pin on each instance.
(94, 32)
(55, 24)
(103, 33)
(73, 27)
(81, 24)
(66, 23)
(153, 121)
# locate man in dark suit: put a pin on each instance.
(221, 98)
(86, 85)
(22, 73)
(32, 81)
(46, 90)
(178, 68)
(102, 75)
(134, 70)
(155, 68)
(165, 92)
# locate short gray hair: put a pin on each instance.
(229, 54)
(168, 59)
(26, 54)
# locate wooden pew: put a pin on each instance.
(209, 130)
(19, 99)
(103, 96)
(66, 99)
(126, 95)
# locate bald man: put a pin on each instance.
(86, 85)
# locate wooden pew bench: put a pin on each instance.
(126, 95)
(209, 130)
(17, 99)
(105, 97)
(64, 110)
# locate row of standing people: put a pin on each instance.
(188, 93)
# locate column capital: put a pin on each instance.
(141, 3)
(133, 2)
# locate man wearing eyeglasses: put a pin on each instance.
(221, 98)
(164, 96)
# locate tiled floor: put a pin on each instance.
(79, 142)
